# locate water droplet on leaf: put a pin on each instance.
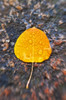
(30, 41)
(40, 52)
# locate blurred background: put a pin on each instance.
(48, 80)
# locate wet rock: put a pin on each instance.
(12, 43)
(16, 77)
(6, 92)
(5, 46)
(64, 96)
(61, 36)
(37, 6)
(11, 63)
(55, 62)
(2, 68)
(3, 40)
(41, 95)
(7, 40)
(6, 3)
(58, 42)
(24, 96)
(33, 96)
(28, 26)
(48, 76)
(59, 75)
(60, 22)
(13, 2)
(46, 91)
(15, 17)
(19, 7)
(64, 71)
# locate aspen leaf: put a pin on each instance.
(32, 46)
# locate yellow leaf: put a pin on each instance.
(32, 46)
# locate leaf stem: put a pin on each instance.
(27, 85)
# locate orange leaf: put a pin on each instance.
(32, 46)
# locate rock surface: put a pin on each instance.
(48, 80)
